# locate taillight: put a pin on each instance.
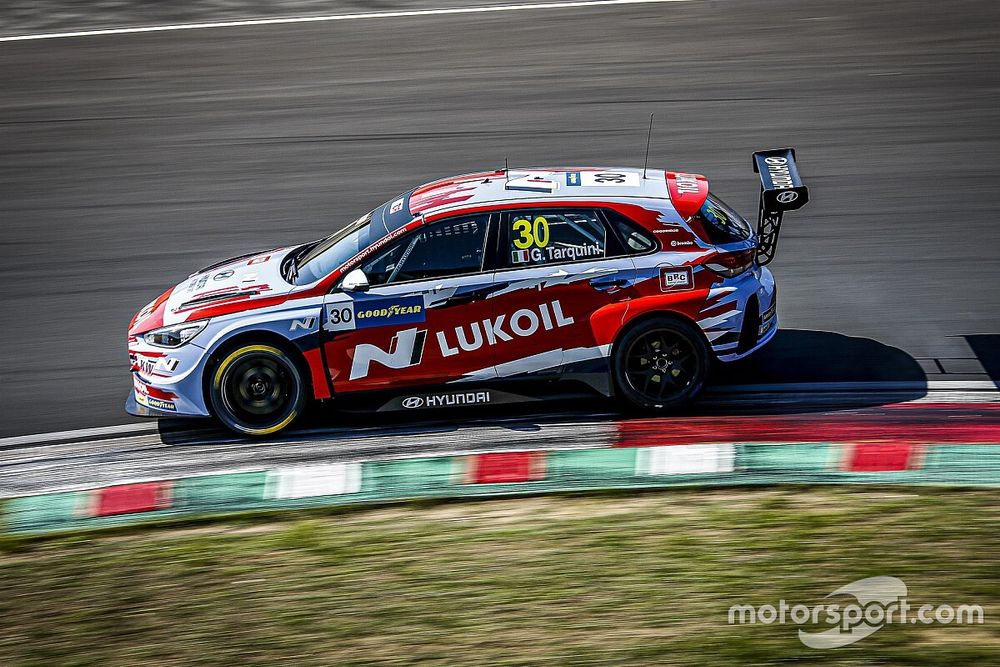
(729, 264)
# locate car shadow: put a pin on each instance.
(986, 347)
(818, 371)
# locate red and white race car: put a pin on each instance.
(486, 288)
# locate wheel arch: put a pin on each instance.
(638, 320)
(260, 337)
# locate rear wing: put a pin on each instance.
(781, 190)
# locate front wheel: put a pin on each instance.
(257, 390)
(660, 364)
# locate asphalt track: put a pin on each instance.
(127, 161)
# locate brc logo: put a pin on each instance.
(676, 278)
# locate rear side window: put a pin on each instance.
(722, 223)
(635, 240)
(552, 236)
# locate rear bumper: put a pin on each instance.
(760, 284)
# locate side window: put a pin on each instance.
(552, 236)
(451, 248)
(635, 240)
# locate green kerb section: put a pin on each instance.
(558, 471)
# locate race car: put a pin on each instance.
(488, 288)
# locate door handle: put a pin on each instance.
(605, 284)
(467, 297)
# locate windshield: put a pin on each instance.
(318, 259)
(331, 252)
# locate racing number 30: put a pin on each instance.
(532, 234)
(340, 315)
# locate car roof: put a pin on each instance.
(538, 183)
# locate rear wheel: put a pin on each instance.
(660, 364)
(257, 390)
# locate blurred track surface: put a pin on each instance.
(128, 161)
(85, 461)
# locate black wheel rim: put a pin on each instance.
(661, 364)
(258, 390)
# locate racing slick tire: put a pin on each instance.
(257, 390)
(660, 364)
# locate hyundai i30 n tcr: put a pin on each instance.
(486, 288)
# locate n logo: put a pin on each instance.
(306, 323)
(405, 350)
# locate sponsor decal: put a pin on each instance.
(674, 279)
(142, 397)
(687, 192)
(374, 248)
(306, 324)
(674, 244)
(781, 178)
(610, 179)
(197, 283)
(532, 182)
(787, 197)
(522, 323)
(156, 366)
(222, 275)
(667, 230)
(687, 184)
(446, 400)
(406, 349)
(369, 313)
(573, 178)
(146, 311)
(405, 310)
(160, 404)
(396, 206)
(259, 260)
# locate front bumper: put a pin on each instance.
(134, 408)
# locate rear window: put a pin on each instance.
(722, 223)
(635, 240)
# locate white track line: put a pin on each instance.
(79, 434)
(809, 387)
(333, 17)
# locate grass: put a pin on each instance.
(558, 580)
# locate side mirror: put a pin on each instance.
(355, 281)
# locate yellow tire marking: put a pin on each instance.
(220, 371)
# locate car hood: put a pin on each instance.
(240, 279)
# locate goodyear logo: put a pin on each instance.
(160, 404)
(383, 312)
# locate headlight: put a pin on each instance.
(174, 336)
